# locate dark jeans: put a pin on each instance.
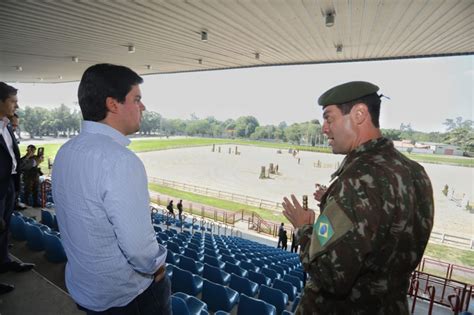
(6, 209)
(153, 301)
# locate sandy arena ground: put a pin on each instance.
(240, 174)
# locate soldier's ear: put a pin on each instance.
(360, 113)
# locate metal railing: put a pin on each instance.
(439, 290)
(244, 199)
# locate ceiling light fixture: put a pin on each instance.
(339, 48)
(60, 77)
(19, 68)
(257, 56)
(204, 36)
(330, 17)
(149, 67)
(75, 59)
(200, 61)
(131, 49)
(41, 79)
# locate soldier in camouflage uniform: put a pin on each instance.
(376, 215)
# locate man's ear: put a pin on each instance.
(111, 104)
(360, 113)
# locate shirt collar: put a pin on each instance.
(4, 122)
(379, 143)
(103, 129)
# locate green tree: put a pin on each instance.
(245, 126)
(460, 133)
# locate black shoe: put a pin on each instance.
(5, 288)
(15, 266)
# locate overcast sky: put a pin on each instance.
(423, 92)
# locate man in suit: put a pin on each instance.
(9, 179)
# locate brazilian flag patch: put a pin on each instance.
(324, 229)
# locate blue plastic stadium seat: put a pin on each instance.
(172, 246)
(219, 297)
(216, 275)
(195, 247)
(249, 305)
(229, 259)
(295, 303)
(297, 273)
(286, 287)
(259, 278)
(274, 297)
(18, 228)
(34, 237)
(294, 281)
(179, 306)
(53, 248)
(231, 268)
(189, 264)
(191, 253)
(259, 263)
(194, 306)
(169, 270)
(243, 285)
(270, 273)
(47, 218)
(249, 266)
(185, 281)
(278, 269)
(213, 261)
(172, 258)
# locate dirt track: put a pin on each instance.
(240, 174)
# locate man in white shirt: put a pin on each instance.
(9, 180)
(100, 190)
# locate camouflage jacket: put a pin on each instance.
(375, 223)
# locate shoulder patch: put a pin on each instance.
(324, 229)
(330, 226)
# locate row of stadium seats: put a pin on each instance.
(38, 237)
(227, 272)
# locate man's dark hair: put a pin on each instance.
(101, 81)
(31, 146)
(373, 104)
(6, 91)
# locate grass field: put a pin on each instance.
(217, 203)
(456, 256)
(162, 144)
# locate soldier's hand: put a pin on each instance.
(296, 214)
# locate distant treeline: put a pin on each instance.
(64, 122)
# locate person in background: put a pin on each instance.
(9, 180)
(30, 171)
(376, 215)
(170, 208)
(180, 210)
(100, 189)
(281, 229)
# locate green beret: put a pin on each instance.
(347, 92)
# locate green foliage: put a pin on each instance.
(460, 133)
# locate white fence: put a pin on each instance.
(436, 237)
(244, 199)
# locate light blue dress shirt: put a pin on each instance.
(101, 196)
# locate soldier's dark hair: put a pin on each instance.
(6, 91)
(101, 81)
(373, 104)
